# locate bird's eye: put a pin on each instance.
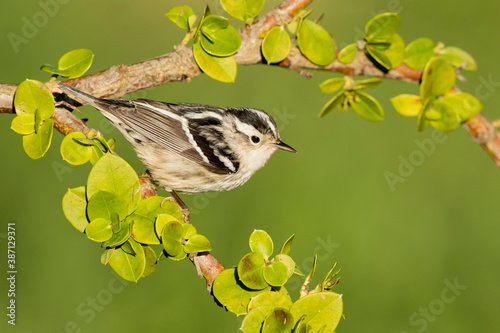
(255, 139)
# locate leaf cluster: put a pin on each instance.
(256, 289)
(351, 95)
(215, 41)
(34, 105)
(110, 210)
(439, 103)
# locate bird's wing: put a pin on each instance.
(169, 126)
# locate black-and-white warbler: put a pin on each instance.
(192, 148)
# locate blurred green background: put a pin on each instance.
(399, 248)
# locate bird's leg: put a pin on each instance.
(184, 208)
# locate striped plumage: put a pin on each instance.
(192, 148)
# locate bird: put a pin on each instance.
(192, 148)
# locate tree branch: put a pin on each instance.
(180, 65)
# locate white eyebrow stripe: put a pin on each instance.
(244, 127)
(185, 127)
(272, 126)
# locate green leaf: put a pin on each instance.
(162, 220)
(278, 321)
(115, 220)
(367, 107)
(181, 16)
(250, 270)
(106, 256)
(51, 69)
(315, 43)
(331, 85)
(111, 173)
(270, 299)
(103, 204)
(419, 52)
(146, 229)
(438, 78)
(143, 229)
(320, 309)
(253, 321)
(111, 143)
(151, 261)
(100, 142)
(293, 26)
(221, 69)
(23, 124)
(74, 206)
(422, 121)
(178, 257)
(214, 23)
(287, 261)
(99, 230)
(244, 10)
(119, 237)
(287, 246)
(97, 153)
(382, 27)
(301, 327)
(449, 118)
(336, 100)
(197, 31)
(367, 83)
(73, 151)
(262, 306)
(231, 293)
(38, 120)
(32, 95)
(153, 206)
(197, 243)
(188, 230)
(276, 274)
(222, 42)
(407, 105)
(432, 114)
(459, 57)
(87, 142)
(36, 144)
(388, 57)
(276, 45)
(173, 230)
(465, 105)
(130, 267)
(348, 54)
(260, 242)
(127, 248)
(75, 63)
(171, 238)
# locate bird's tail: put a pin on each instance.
(79, 95)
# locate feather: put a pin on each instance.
(184, 128)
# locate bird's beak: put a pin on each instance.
(281, 145)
